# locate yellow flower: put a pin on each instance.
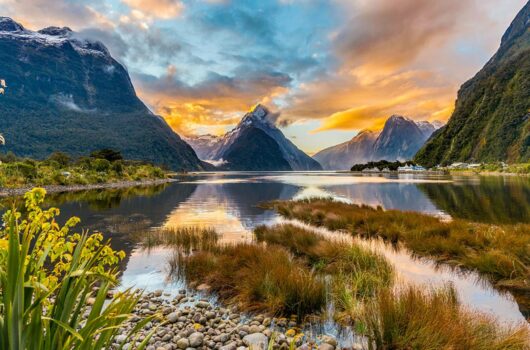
(3, 244)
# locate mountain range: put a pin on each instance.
(491, 121)
(400, 139)
(69, 94)
(254, 144)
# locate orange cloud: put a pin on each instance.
(163, 9)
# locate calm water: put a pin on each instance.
(229, 202)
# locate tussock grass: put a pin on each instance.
(186, 239)
(257, 278)
(499, 252)
(360, 271)
(433, 320)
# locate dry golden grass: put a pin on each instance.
(434, 320)
(257, 278)
(360, 271)
(186, 239)
(500, 252)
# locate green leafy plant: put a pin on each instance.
(54, 284)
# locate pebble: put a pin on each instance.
(204, 325)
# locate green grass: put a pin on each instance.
(257, 278)
(60, 170)
(499, 252)
(413, 318)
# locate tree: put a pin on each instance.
(108, 154)
(62, 158)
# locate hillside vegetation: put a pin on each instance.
(60, 169)
(491, 121)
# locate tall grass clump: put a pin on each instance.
(186, 239)
(356, 273)
(413, 318)
(499, 252)
(257, 278)
(48, 274)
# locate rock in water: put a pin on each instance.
(256, 341)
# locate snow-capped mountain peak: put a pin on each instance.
(8, 25)
(261, 119)
(51, 36)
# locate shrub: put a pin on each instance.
(61, 158)
(100, 165)
(47, 275)
(108, 154)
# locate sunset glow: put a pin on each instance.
(329, 67)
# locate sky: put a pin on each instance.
(328, 68)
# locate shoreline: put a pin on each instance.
(188, 319)
(19, 191)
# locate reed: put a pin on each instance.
(186, 239)
(413, 318)
(499, 252)
(257, 278)
(356, 273)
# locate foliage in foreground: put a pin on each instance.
(430, 320)
(60, 169)
(48, 275)
(500, 252)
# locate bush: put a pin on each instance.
(61, 158)
(108, 154)
(101, 165)
(47, 275)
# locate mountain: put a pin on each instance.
(204, 145)
(254, 151)
(239, 151)
(68, 94)
(400, 139)
(491, 121)
(343, 156)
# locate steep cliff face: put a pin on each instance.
(400, 139)
(491, 121)
(68, 94)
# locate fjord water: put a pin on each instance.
(229, 203)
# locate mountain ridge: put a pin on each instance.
(69, 94)
(399, 139)
(259, 117)
(491, 121)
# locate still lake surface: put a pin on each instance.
(229, 203)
